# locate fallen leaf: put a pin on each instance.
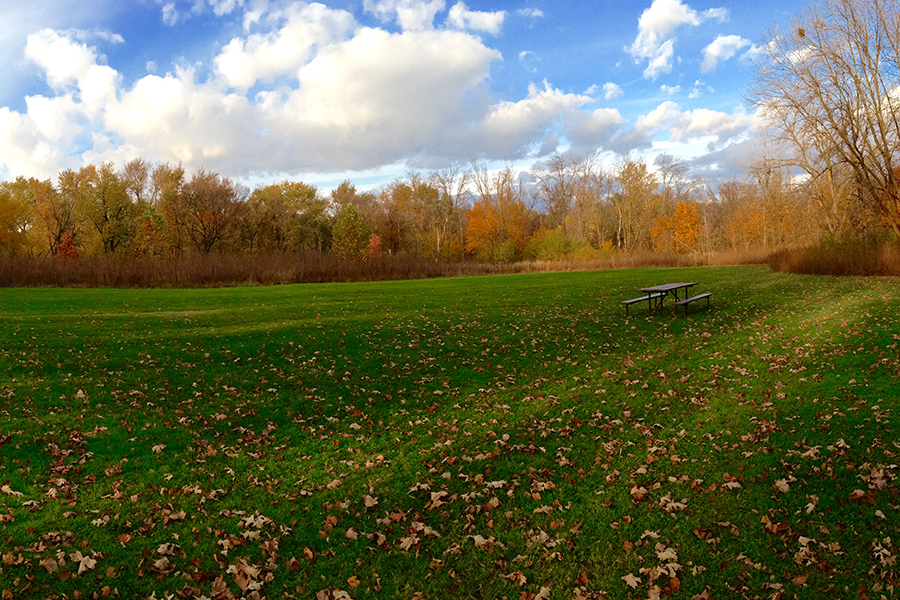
(50, 564)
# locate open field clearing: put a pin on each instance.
(511, 436)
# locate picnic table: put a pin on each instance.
(666, 289)
(655, 294)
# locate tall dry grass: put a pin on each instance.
(882, 259)
(216, 270)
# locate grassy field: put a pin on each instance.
(498, 437)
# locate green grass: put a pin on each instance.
(510, 436)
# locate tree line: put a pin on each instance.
(565, 207)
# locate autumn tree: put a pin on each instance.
(16, 216)
(591, 218)
(286, 216)
(150, 238)
(679, 232)
(636, 204)
(350, 236)
(101, 203)
(499, 222)
(210, 207)
(828, 83)
(166, 197)
(453, 184)
(556, 184)
(421, 214)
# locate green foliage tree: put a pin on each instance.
(350, 236)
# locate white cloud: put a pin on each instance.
(716, 14)
(461, 17)
(531, 13)
(224, 7)
(176, 11)
(264, 57)
(63, 61)
(722, 48)
(529, 60)
(54, 118)
(23, 150)
(70, 65)
(669, 89)
(655, 27)
(701, 122)
(587, 131)
(611, 91)
(170, 14)
(755, 53)
(411, 15)
(661, 63)
(516, 125)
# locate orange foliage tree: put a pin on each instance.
(482, 230)
(679, 232)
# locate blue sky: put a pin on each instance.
(262, 90)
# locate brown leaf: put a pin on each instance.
(50, 564)
(517, 577)
(219, 587)
(241, 579)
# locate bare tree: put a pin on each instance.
(830, 84)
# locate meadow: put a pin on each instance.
(512, 436)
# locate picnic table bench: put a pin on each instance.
(687, 301)
(655, 295)
(649, 298)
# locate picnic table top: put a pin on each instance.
(667, 287)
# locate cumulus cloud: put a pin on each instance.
(510, 129)
(701, 122)
(461, 17)
(611, 91)
(670, 90)
(266, 56)
(411, 15)
(655, 28)
(597, 129)
(722, 48)
(62, 60)
(69, 65)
